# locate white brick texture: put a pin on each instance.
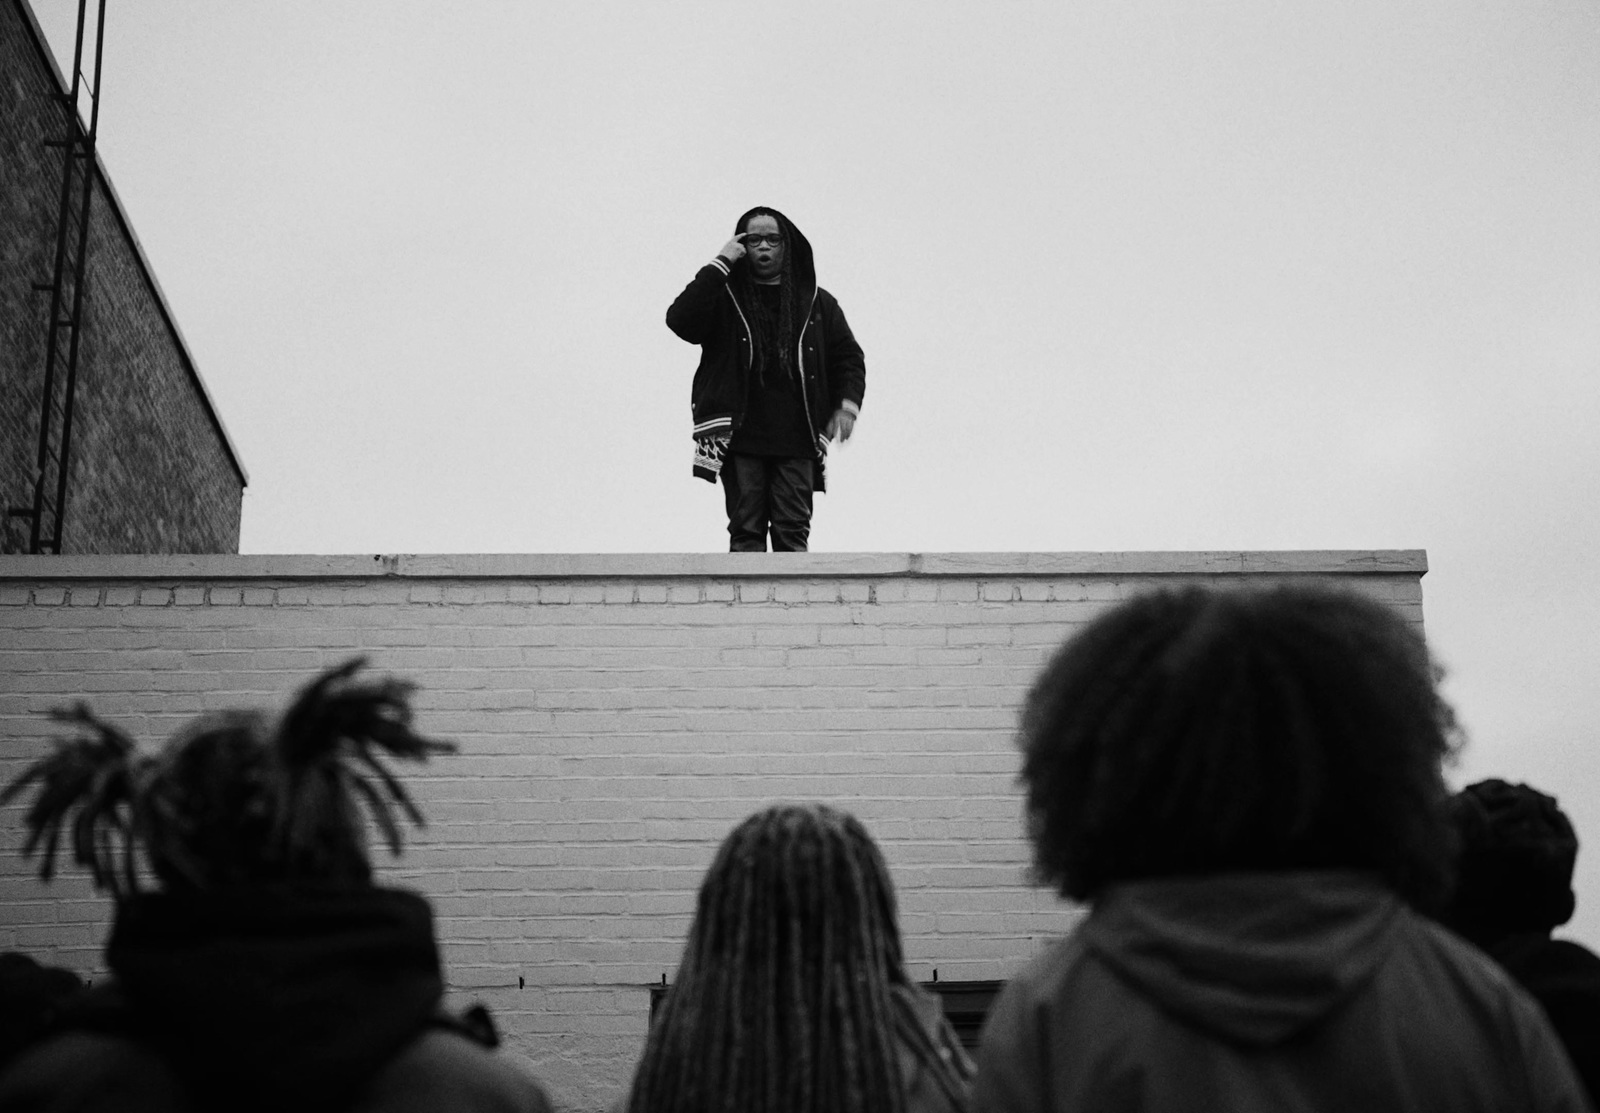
(617, 715)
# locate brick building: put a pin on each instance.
(617, 715)
(150, 467)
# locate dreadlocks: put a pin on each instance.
(231, 800)
(775, 332)
(784, 998)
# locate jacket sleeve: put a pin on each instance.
(847, 366)
(694, 314)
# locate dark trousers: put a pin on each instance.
(765, 492)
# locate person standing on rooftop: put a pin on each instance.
(780, 378)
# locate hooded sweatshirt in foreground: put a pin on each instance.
(1281, 992)
(301, 999)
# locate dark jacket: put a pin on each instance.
(1564, 978)
(1256, 992)
(267, 1000)
(710, 313)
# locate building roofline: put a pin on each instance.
(43, 46)
(568, 566)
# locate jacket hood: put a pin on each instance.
(795, 242)
(1251, 958)
(278, 998)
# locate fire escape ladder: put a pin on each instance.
(67, 291)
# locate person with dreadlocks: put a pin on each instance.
(264, 970)
(1246, 787)
(780, 377)
(792, 995)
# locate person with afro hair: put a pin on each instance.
(255, 964)
(1245, 787)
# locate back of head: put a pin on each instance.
(1197, 731)
(234, 799)
(266, 972)
(1514, 869)
(782, 1000)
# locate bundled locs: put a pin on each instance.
(783, 1000)
(231, 800)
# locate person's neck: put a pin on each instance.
(773, 281)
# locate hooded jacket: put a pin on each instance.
(268, 999)
(710, 313)
(1281, 992)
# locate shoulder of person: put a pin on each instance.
(1045, 975)
(445, 1071)
(89, 1070)
(1574, 956)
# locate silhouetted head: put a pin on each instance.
(1198, 731)
(1514, 867)
(234, 798)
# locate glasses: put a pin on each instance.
(756, 239)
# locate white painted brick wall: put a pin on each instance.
(617, 716)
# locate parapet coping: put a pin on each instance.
(568, 566)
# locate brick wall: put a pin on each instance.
(151, 467)
(617, 715)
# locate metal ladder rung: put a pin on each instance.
(52, 462)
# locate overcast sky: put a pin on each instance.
(1155, 275)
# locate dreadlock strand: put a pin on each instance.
(52, 837)
(80, 788)
(302, 733)
(378, 808)
(875, 1082)
(802, 1039)
(325, 744)
(761, 1005)
(849, 1097)
(776, 923)
(130, 872)
(354, 770)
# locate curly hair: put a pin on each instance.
(783, 1002)
(1196, 731)
(232, 799)
(1514, 865)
